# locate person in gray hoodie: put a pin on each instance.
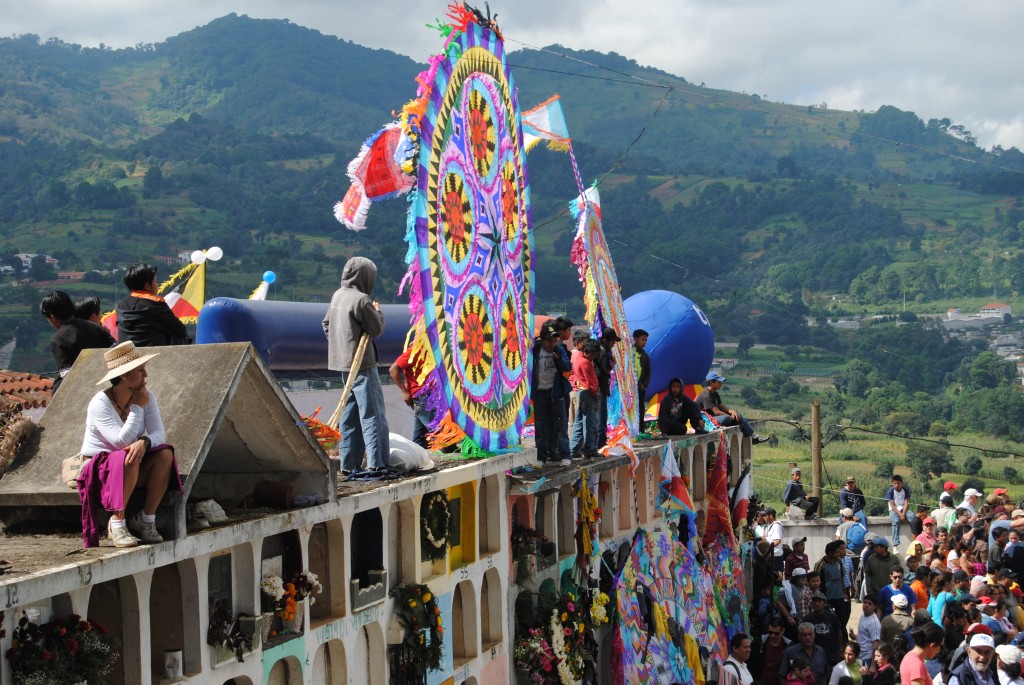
(364, 424)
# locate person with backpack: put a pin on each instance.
(734, 671)
(853, 533)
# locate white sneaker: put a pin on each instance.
(146, 532)
(565, 462)
(211, 511)
(120, 535)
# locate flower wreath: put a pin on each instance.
(567, 636)
(434, 521)
(417, 611)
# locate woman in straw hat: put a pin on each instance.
(125, 439)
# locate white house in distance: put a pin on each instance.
(995, 309)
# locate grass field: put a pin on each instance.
(847, 450)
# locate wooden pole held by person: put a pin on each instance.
(357, 361)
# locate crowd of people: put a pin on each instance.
(948, 611)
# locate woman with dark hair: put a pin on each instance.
(942, 593)
(126, 446)
(885, 671)
(850, 667)
(928, 640)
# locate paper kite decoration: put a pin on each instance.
(603, 301)
(471, 258)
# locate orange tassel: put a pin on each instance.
(446, 435)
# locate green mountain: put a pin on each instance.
(238, 134)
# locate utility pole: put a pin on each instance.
(816, 452)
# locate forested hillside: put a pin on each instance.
(238, 134)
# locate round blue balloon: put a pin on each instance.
(681, 342)
(269, 276)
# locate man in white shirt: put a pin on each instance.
(970, 503)
(734, 670)
(773, 534)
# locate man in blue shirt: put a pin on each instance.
(896, 587)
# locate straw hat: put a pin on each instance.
(123, 358)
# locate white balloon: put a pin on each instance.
(214, 254)
(198, 257)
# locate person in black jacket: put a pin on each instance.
(604, 366)
(548, 389)
(72, 335)
(676, 409)
(143, 317)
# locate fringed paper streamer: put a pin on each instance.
(471, 450)
(176, 278)
(260, 293)
(327, 436)
(446, 434)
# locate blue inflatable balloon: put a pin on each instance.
(681, 343)
(269, 276)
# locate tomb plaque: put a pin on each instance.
(220, 580)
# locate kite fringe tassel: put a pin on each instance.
(446, 435)
(472, 450)
(558, 146)
(360, 218)
(260, 293)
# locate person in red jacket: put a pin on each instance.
(584, 380)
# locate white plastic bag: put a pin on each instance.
(406, 455)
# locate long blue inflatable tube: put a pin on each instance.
(289, 335)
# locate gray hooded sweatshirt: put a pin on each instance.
(351, 314)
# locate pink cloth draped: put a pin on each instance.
(101, 486)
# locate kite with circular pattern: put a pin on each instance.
(471, 248)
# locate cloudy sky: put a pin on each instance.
(961, 59)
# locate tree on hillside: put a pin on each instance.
(972, 465)
(988, 371)
(152, 182)
(743, 347)
(928, 458)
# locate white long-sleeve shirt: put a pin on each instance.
(106, 432)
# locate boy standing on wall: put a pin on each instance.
(584, 381)
(642, 362)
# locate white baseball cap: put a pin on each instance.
(982, 640)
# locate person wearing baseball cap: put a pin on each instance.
(797, 558)
(711, 402)
(979, 668)
(795, 495)
(927, 536)
(851, 497)
(899, 621)
(948, 488)
(1008, 662)
(971, 499)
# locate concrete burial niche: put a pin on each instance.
(229, 421)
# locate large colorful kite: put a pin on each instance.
(668, 607)
(470, 257)
(603, 301)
